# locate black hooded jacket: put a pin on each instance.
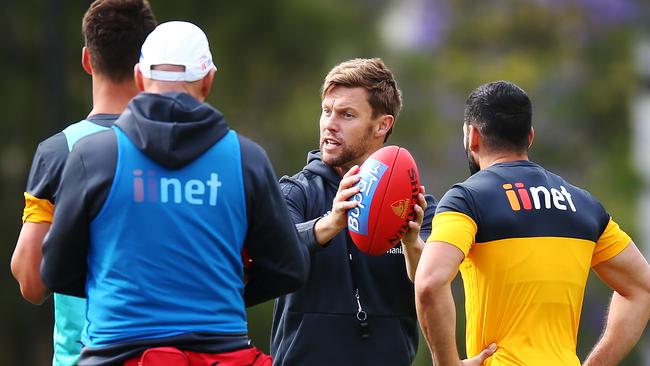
(318, 325)
(173, 129)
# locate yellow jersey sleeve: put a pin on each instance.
(37, 209)
(611, 242)
(454, 228)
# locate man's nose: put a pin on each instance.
(331, 122)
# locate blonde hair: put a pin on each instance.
(372, 74)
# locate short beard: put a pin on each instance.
(350, 155)
(473, 165)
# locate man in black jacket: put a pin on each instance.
(153, 216)
(355, 309)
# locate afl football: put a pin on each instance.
(389, 188)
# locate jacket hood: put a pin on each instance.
(315, 165)
(172, 129)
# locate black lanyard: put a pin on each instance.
(361, 315)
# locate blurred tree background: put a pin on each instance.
(575, 58)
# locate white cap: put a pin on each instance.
(176, 43)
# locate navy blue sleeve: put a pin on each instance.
(602, 215)
(457, 200)
(65, 248)
(297, 202)
(45, 173)
(85, 184)
(279, 264)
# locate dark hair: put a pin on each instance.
(372, 74)
(114, 31)
(502, 112)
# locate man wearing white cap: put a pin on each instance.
(153, 217)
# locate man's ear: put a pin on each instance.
(85, 61)
(474, 138)
(206, 84)
(386, 122)
(137, 76)
(531, 137)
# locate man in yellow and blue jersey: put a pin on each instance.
(524, 240)
(113, 31)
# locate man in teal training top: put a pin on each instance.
(114, 31)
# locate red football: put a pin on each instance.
(389, 184)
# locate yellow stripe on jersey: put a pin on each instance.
(37, 209)
(454, 228)
(612, 241)
(526, 295)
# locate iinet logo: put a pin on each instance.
(519, 197)
(166, 190)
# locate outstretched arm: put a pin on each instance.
(316, 232)
(329, 226)
(26, 261)
(628, 274)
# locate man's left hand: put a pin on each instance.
(413, 233)
(478, 359)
